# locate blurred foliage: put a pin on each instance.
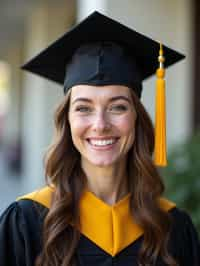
(182, 177)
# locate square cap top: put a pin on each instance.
(51, 62)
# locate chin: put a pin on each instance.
(104, 162)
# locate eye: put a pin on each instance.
(119, 108)
(83, 109)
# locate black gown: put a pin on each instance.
(20, 239)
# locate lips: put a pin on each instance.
(102, 142)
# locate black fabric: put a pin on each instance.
(103, 63)
(20, 233)
(20, 240)
(52, 62)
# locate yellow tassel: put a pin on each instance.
(160, 154)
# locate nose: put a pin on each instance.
(101, 123)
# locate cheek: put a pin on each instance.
(128, 133)
(127, 125)
(78, 127)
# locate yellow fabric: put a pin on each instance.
(112, 228)
(160, 157)
(42, 196)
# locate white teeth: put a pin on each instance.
(102, 142)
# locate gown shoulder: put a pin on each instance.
(20, 233)
(184, 239)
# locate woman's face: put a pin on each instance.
(102, 122)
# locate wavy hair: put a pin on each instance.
(63, 169)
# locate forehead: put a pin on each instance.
(96, 92)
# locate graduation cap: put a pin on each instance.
(101, 51)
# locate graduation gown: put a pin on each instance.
(109, 235)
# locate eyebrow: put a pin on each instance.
(121, 97)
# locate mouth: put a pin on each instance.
(102, 143)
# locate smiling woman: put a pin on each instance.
(102, 124)
(103, 201)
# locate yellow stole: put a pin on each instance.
(112, 228)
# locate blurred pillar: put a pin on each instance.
(34, 99)
(14, 129)
(46, 23)
(12, 122)
(85, 7)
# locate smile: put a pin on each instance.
(102, 142)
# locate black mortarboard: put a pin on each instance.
(112, 53)
(102, 51)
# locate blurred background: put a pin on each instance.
(27, 102)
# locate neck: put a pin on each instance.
(108, 183)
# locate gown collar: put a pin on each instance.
(111, 227)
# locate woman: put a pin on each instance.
(103, 204)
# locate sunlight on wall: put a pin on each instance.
(4, 94)
(4, 87)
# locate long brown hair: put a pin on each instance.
(62, 168)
